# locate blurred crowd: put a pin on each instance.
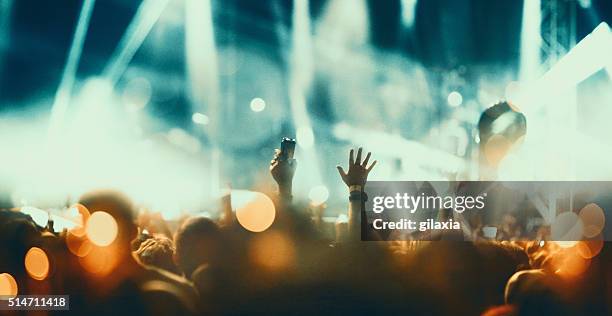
(122, 262)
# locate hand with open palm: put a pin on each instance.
(358, 170)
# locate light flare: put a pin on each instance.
(101, 229)
(37, 264)
(8, 285)
(257, 212)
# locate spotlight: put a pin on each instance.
(454, 99)
(585, 4)
(200, 118)
(258, 105)
(408, 12)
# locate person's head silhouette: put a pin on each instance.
(500, 128)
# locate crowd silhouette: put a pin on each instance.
(203, 266)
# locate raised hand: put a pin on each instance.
(283, 171)
(357, 170)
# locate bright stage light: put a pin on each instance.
(202, 58)
(200, 118)
(202, 69)
(301, 74)
(258, 105)
(408, 12)
(344, 23)
(585, 4)
(98, 149)
(454, 99)
(393, 145)
(96, 92)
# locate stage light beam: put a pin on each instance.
(301, 74)
(531, 40)
(203, 77)
(64, 90)
(145, 18)
(408, 12)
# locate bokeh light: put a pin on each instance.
(258, 105)
(79, 246)
(454, 99)
(37, 264)
(80, 214)
(273, 250)
(590, 248)
(8, 285)
(200, 118)
(100, 261)
(101, 229)
(593, 218)
(318, 194)
(256, 213)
